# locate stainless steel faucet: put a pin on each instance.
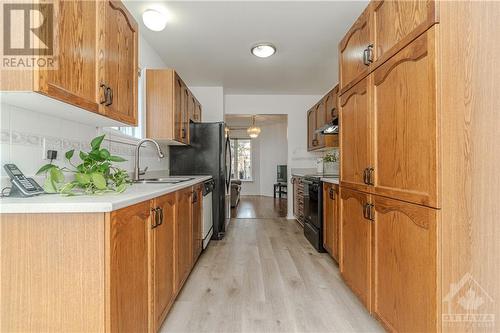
(137, 171)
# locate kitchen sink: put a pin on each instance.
(166, 180)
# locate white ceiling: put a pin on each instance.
(209, 43)
(245, 120)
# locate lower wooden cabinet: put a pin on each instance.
(128, 268)
(331, 219)
(183, 238)
(405, 264)
(162, 261)
(197, 216)
(298, 199)
(356, 244)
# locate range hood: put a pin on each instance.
(330, 128)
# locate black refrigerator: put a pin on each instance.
(209, 153)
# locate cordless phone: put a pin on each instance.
(22, 186)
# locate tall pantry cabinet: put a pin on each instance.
(419, 125)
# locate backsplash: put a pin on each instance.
(23, 134)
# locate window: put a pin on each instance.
(241, 151)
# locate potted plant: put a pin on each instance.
(96, 173)
(330, 163)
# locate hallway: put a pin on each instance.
(265, 277)
(258, 206)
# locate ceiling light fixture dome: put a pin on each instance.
(263, 50)
(154, 19)
(253, 131)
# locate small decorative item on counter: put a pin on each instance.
(95, 175)
(330, 163)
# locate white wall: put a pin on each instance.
(295, 106)
(273, 152)
(212, 102)
(24, 131)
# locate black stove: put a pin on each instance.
(313, 211)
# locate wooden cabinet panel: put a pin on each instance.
(197, 112)
(162, 244)
(406, 124)
(183, 238)
(128, 269)
(197, 216)
(178, 107)
(320, 121)
(119, 65)
(74, 80)
(331, 107)
(185, 115)
(330, 219)
(405, 263)
(396, 23)
(311, 127)
(356, 248)
(298, 199)
(352, 48)
(355, 136)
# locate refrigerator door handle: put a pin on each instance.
(228, 175)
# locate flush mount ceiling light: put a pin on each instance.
(263, 50)
(253, 131)
(154, 19)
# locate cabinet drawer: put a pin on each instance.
(397, 23)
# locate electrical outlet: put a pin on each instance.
(51, 144)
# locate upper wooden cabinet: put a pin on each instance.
(170, 106)
(319, 115)
(118, 66)
(405, 266)
(356, 51)
(312, 142)
(406, 124)
(96, 69)
(331, 105)
(384, 28)
(128, 272)
(356, 136)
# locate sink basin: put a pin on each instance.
(166, 180)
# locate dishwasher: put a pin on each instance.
(207, 220)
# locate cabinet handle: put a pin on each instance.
(365, 176)
(155, 218)
(368, 55)
(371, 212)
(371, 176)
(331, 193)
(368, 212)
(332, 113)
(109, 96)
(183, 133)
(104, 93)
(161, 216)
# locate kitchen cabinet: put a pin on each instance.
(298, 199)
(319, 115)
(356, 136)
(356, 51)
(128, 270)
(320, 121)
(331, 107)
(95, 66)
(197, 238)
(312, 141)
(170, 107)
(183, 236)
(356, 244)
(118, 61)
(405, 266)
(406, 120)
(331, 219)
(162, 252)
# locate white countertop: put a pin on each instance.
(55, 203)
(331, 180)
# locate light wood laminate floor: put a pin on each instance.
(265, 277)
(259, 207)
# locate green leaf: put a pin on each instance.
(69, 154)
(56, 175)
(114, 158)
(66, 188)
(98, 180)
(83, 155)
(82, 178)
(104, 153)
(121, 188)
(49, 186)
(45, 168)
(96, 142)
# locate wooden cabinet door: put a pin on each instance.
(128, 268)
(331, 108)
(405, 266)
(178, 108)
(396, 23)
(406, 124)
(197, 112)
(328, 216)
(197, 216)
(118, 68)
(352, 49)
(183, 238)
(336, 223)
(312, 142)
(162, 244)
(356, 248)
(355, 136)
(320, 121)
(74, 81)
(185, 115)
